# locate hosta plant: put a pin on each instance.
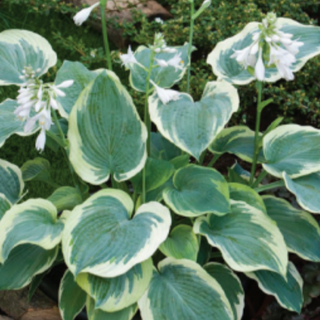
(146, 218)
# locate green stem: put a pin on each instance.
(190, 44)
(269, 186)
(214, 159)
(57, 123)
(261, 176)
(256, 137)
(104, 32)
(147, 122)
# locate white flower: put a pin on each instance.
(158, 20)
(259, 68)
(162, 63)
(169, 50)
(176, 62)
(166, 95)
(281, 46)
(53, 103)
(206, 3)
(128, 58)
(84, 14)
(41, 140)
(65, 84)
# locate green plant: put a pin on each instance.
(141, 226)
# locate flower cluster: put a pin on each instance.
(35, 101)
(277, 46)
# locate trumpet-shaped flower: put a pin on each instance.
(84, 14)
(281, 47)
(166, 95)
(39, 97)
(128, 57)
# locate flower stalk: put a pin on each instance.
(190, 43)
(256, 136)
(104, 32)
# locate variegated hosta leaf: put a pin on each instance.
(287, 291)
(36, 169)
(183, 290)
(182, 243)
(230, 284)
(196, 191)
(34, 221)
(241, 192)
(11, 182)
(238, 140)
(22, 48)
(300, 230)
(114, 294)
(97, 314)
(306, 189)
(105, 132)
(293, 149)
(228, 68)
(65, 198)
(101, 238)
(163, 149)
(157, 173)
(246, 237)
(23, 263)
(10, 123)
(192, 126)
(163, 77)
(238, 175)
(81, 77)
(72, 298)
(5, 205)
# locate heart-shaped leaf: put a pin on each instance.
(238, 140)
(293, 149)
(34, 221)
(183, 290)
(287, 291)
(11, 182)
(72, 298)
(225, 67)
(163, 77)
(20, 49)
(300, 230)
(182, 243)
(101, 238)
(81, 76)
(97, 314)
(230, 284)
(114, 294)
(196, 191)
(157, 173)
(247, 239)
(23, 263)
(104, 128)
(192, 126)
(306, 189)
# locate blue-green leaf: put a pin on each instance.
(104, 129)
(102, 238)
(192, 126)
